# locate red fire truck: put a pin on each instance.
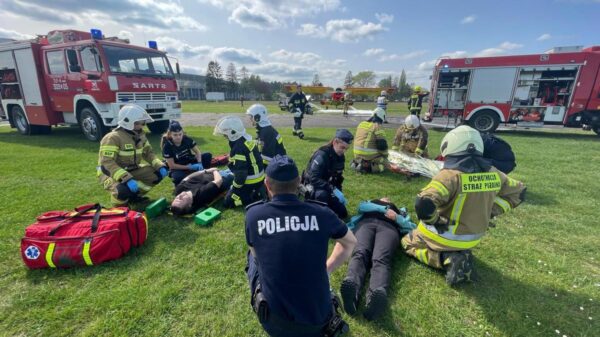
(559, 87)
(74, 77)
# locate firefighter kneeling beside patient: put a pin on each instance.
(120, 168)
(370, 146)
(456, 206)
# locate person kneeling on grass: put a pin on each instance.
(370, 146)
(378, 228)
(182, 153)
(200, 189)
(456, 206)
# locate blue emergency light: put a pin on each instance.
(96, 34)
(153, 45)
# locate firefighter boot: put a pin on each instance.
(458, 266)
(300, 134)
(349, 292)
(376, 304)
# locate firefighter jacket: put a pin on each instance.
(122, 151)
(270, 143)
(409, 139)
(325, 169)
(370, 142)
(416, 102)
(297, 100)
(467, 202)
(245, 162)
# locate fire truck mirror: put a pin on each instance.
(177, 68)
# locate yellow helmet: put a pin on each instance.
(417, 88)
(462, 140)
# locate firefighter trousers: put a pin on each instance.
(120, 194)
(415, 245)
(245, 195)
(376, 165)
(298, 123)
(374, 251)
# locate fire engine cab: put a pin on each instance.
(74, 77)
(559, 87)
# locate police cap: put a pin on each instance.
(175, 126)
(345, 135)
(282, 168)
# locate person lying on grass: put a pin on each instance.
(200, 189)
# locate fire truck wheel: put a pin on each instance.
(485, 121)
(91, 125)
(159, 127)
(596, 129)
(20, 121)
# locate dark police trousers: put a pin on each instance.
(275, 327)
(377, 243)
(298, 122)
(334, 203)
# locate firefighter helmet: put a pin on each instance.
(417, 88)
(461, 141)
(131, 113)
(383, 93)
(412, 121)
(230, 127)
(259, 114)
(379, 112)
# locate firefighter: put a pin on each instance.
(245, 163)
(347, 103)
(411, 137)
(415, 103)
(456, 206)
(370, 146)
(323, 176)
(269, 140)
(382, 103)
(120, 167)
(297, 104)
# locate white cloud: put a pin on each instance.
(544, 37)
(271, 14)
(236, 55)
(125, 34)
(499, 50)
(11, 34)
(339, 62)
(180, 48)
(285, 55)
(373, 51)
(428, 65)
(468, 19)
(223, 54)
(384, 18)
(352, 30)
(402, 57)
(151, 15)
(284, 71)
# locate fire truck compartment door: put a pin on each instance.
(492, 85)
(6, 60)
(28, 76)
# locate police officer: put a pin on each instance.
(269, 140)
(415, 103)
(120, 168)
(456, 206)
(244, 161)
(287, 263)
(323, 175)
(370, 145)
(297, 105)
(412, 137)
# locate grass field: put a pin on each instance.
(394, 108)
(539, 268)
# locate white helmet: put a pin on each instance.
(131, 113)
(412, 121)
(231, 127)
(383, 93)
(259, 114)
(462, 140)
(379, 112)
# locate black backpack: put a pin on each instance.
(499, 152)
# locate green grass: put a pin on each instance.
(541, 263)
(394, 108)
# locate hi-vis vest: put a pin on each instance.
(468, 201)
(365, 142)
(250, 157)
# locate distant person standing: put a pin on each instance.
(242, 100)
(415, 103)
(382, 102)
(297, 106)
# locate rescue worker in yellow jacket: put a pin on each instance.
(456, 206)
(415, 102)
(370, 146)
(411, 137)
(127, 166)
(245, 163)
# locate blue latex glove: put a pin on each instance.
(163, 172)
(132, 185)
(225, 173)
(196, 167)
(367, 206)
(338, 194)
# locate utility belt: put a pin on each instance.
(334, 327)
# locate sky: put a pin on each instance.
(294, 40)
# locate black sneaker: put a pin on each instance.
(459, 267)
(294, 132)
(376, 305)
(301, 135)
(349, 292)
